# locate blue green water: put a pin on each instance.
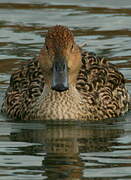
(34, 150)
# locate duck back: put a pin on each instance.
(100, 85)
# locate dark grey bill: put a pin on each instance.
(60, 76)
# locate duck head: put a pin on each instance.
(60, 58)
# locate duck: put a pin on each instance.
(65, 82)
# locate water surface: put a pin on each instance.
(34, 150)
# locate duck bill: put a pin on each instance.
(60, 76)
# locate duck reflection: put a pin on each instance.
(62, 146)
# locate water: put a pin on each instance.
(34, 150)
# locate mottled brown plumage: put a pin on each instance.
(60, 36)
(64, 83)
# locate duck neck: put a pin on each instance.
(70, 92)
(59, 105)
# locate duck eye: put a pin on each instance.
(47, 48)
(72, 47)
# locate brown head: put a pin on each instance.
(60, 58)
